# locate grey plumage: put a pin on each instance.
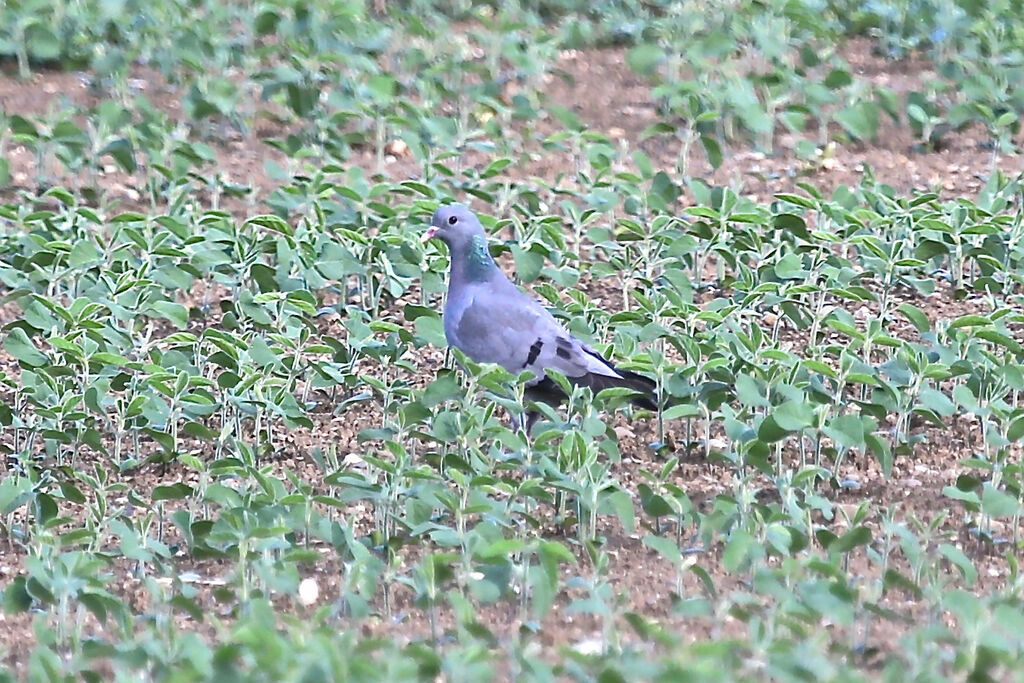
(492, 321)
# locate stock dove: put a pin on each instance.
(491, 320)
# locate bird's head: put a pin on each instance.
(453, 224)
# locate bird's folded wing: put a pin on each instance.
(518, 333)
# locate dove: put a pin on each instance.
(488, 318)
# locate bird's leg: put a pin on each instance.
(524, 421)
(517, 421)
(530, 419)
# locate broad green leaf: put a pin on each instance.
(445, 388)
(847, 431)
(528, 264)
(645, 58)
(879, 447)
(960, 561)
(916, 316)
(712, 149)
(857, 536)
(43, 44)
(769, 430)
(998, 503)
(971, 320)
(681, 410)
(173, 312)
(1016, 429)
(750, 391)
(737, 550)
(664, 547)
(123, 154)
(937, 401)
(24, 351)
(793, 416)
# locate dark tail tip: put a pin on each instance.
(549, 392)
(643, 385)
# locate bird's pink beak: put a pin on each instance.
(429, 234)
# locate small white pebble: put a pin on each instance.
(309, 591)
(590, 646)
(398, 148)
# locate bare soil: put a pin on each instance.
(611, 99)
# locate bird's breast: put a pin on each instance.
(453, 310)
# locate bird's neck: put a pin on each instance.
(476, 264)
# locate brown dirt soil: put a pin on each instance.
(612, 100)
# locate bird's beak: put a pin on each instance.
(429, 234)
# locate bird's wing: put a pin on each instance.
(504, 326)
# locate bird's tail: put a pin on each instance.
(548, 391)
(645, 386)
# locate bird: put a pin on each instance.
(491, 320)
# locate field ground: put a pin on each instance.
(781, 568)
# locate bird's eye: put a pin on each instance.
(452, 220)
